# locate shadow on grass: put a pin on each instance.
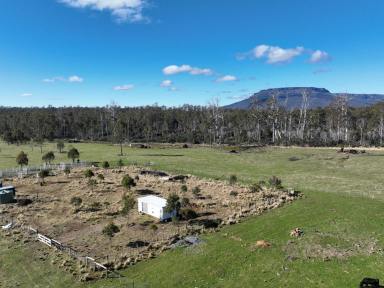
(163, 155)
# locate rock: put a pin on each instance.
(263, 244)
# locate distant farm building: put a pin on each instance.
(154, 206)
(7, 194)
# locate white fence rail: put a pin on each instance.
(30, 170)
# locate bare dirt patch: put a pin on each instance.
(79, 224)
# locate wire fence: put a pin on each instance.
(89, 262)
(31, 170)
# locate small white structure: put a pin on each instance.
(154, 206)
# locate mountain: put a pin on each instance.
(291, 98)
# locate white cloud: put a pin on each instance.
(259, 51)
(226, 78)
(169, 85)
(319, 56)
(75, 78)
(26, 95)
(166, 83)
(124, 87)
(174, 69)
(122, 10)
(276, 54)
(72, 79)
(280, 55)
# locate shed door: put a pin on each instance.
(144, 207)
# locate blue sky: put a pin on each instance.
(171, 52)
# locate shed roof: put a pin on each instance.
(6, 189)
(154, 200)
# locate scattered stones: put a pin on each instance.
(297, 232)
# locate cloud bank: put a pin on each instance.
(174, 69)
(71, 79)
(125, 87)
(122, 10)
(278, 55)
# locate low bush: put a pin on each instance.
(92, 183)
(153, 227)
(196, 191)
(232, 179)
(120, 163)
(185, 202)
(43, 173)
(233, 193)
(128, 204)
(110, 230)
(275, 182)
(76, 201)
(88, 173)
(24, 202)
(100, 176)
(67, 170)
(183, 188)
(256, 187)
(105, 165)
(95, 206)
(128, 182)
(187, 214)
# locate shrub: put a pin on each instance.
(95, 206)
(187, 213)
(100, 176)
(110, 230)
(24, 202)
(105, 164)
(185, 202)
(76, 201)
(137, 178)
(233, 193)
(175, 220)
(275, 182)
(256, 187)
(43, 173)
(88, 173)
(183, 188)
(128, 204)
(153, 227)
(173, 203)
(232, 179)
(120, 163)
(196, 191)
(92, 183)
(128, 182)
(67, 170)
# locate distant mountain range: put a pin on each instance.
(318, 97)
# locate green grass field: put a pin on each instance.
(341, 211)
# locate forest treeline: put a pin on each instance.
(271, 124)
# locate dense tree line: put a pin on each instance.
(269, 124)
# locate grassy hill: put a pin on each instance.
(341, 214)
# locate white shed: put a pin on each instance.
(154, 206)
